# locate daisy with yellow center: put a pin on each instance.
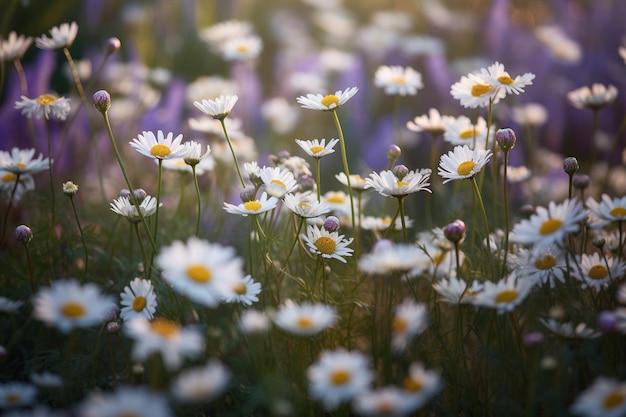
(44, 105)
(504, 295)
(421, 384)
(475, 90)
(327, 102)
(606, 397)
(278, 181)
(389, 185)
(159, 146)
(124, 207)
(245, 291)
(242, 48)
(607, 210)
(462, 163)
(497, 77)
(462, 131)
(252, 207)
(317, 148)
(327, 244)
(17, 394)
(304, 319)
(597, 272)
(544, 267)
(138, 299)
(302, 205)
(410, 319)
(20, 161)
(398, 80)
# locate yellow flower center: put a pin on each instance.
(401, 184)
(329, 100)
(326, 245)
(481, 89)
(316, 149)
(240, 288)
(242, 49)
(13, 398)
(139, 303)
(252, 205)
(10, 177)
(506, 296)
(304, 204)
(278, 182)
(160, 150)
(505, 79)
(165, 328)
(411, 385)
(340, 377)
(386, 221)
(73, 310)
(465, 168)
(547, 262)
(304, 322)
(598, 272)
(398, 325)
(618, 212)
(613, 399)
(45, 99)
(468, 134)
(337, 199)
(20, 165)
(199, 274)
(437, 260)
(550, 226)
(399, 80)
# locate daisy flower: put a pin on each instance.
(421, 384)
(606, 397)
(138, 299)
(20, 161)
(159, 146)
(245, 291)
(221, 32)
(357, 182)
(545, 267)
(388, 401)
(327, 244)
(455, 290)
(254, 322)
(338, 201)
(7, 185)
(595, 97)
(44, 105)
(497, 76)
(397, 80)
(217, 108)
(337, 376)
(252, 207)
(241, 48)
(549, 225)
(380, 224)
(608, 209)
(597, 273)
(387, 259)
(201, 384)
(14, 46)
(173, 341)
(46, 380)
(389, 185)
(60, 37)
(327, 102)
(193, 153)
(124, 207)
(433, 123)
(503, 295)
(530, 114)
(204, 272)
(67, 305)
(474, 90)
(304, 206)
(304, 319)
(17, 394)
(410, 320)
(568, 330)
(278, 181)
(317, 148)
(462, 163)
(461, 131)
(9, 306)
(126, 401)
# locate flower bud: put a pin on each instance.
(505, 138)
(332, 224)
(306, 183)
(570, 165)
(607, 321)
(455, 231)
(113, 45)
(527, 210)
(113, 327)
(125, 192)
(70, 189)
(400, 171)
(393, 153)
(102, 101)
(598, 242)
(140, 194)
(247, 194)
(23, 234)
(580, 181)
(533, 339)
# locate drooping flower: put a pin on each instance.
(327, 102)
(304, 319)
(124, 207)
(462, 163)
(44, 105)
(398, 80)
(60, 37)
(327, 244)
(138, 299)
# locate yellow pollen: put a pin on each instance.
(550, 226)
(506, 296)
(399, 80)
(278, 182)
(240, 288)
(326, 245)
(465, 168)
(618, 212)
(481, 89)
(329, 100)
(160, 150)
(439, 258)
(468, 134)
(411, 385)
(139, 303)
(398, 325)
(402, 184)
(304, 205)
(165, 328)
(386, 221)
(337, 199)
(45, 99)
(242, 49)
(252, 205)
(340, 377)
(305, 322)
(199, 274)
(598, 272)
(358, 178)
(547, 262)
(613, 399)
(9, 177)
(20, 165)
(73, 310)
(505, 79)
(316, 149)
(13, 398)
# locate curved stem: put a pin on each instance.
(77, 82)
(232, 151)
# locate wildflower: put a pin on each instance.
(241, 48)
(595, 97)
(530, 114)
(219, 33)
(497, 76)
(570, 165)
(475, 90)
(597, 273)
(193, 153)
(455, 290)
(17, 394)
(392, 258)
(20, 161)
(607, 210)
(44, 105)
(433, 123)
(23, 234)
(278, 181)
(505, 138)
(606, 397)
(245, 291)
(102, 101)
(545, 267)
(304, 319)
(126, 401)
(9, 306)
(10, 190)
(14, 47)
(549, 226)
(357, 182)
(410, 320)
(317, 148)
(568, 330)
(124, 207)
(389, 184)
(138, 299)
(337, 376)
(254, 322)
(203, 271)
(461, 131)
(46, 379)
(217, 108)
(503, 295)
(60, 37)
(455, 231)
(462, 163)
(113, 45)
(327, 244)
(389, 401)
(304, 206)
(159, 146)
(397, 80)
(252, 207)
(380, 224)
(67, 305)
(327, 102)
(201, 384)
(421, 384)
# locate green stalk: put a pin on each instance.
(506, 212)
(318, 179)
(232, 151)
(344, 159)
(82, 237)
(195, 183)
(485, 224)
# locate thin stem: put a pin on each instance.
(9, 206)
(318, 179)
(485, 224)
(158, 200)
(17, 63)
(52, 194)
(232, 151)
(506, 212)
(31, 276)
(345, 165)
(82, 237)
(143, 250)
(195, 183)
(79, 85)
(401, 214)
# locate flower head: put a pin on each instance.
(17, 394)
(124, 207)
(138, 299)
(606, 397)
(217, 108)
(159, 146)
(245, 291)
(462, 131)
(20, 161)
(126, 401)
(327, 244)
(389, 185)
(497, 76)
(462, 163)
(60, 37)
(503, 295)
(201, 384)
(305, 206)
(433, 123)
(193, 153)
(410, 319)
(304, 319)
(44, 105)
(241, 48)
(607, 210)
(14, 47)
(278, 181)
(387, 259)
(595, 97)
(397, 80)
(70, 189)
(327, 102)
(598, 273)
(252, 207)
(474, 90)
(317, 148)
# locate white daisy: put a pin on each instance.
(357, 182)
(461, 131)
(304, 319)
(10, 190)
(125, 401)
(474, 90)
(497, 76)
(138, 299)
(221, 32)
(201, 384)
(245, 291)
(124, 207)
(597, 273)
(606, 397)
(159, 146)
(327, 244)
(337, 376)
(455, 290)
(9, 306)
(327, 102)
(254, 322)
(241, 48)
(595, 97)
(14, 46)
(317, 148)
(218, 108)
(173, 341)
(252, 207)
(387, 259)
(380, 224)
(433, 123)
(203, 271)
(278, 181)
(60, 37)
(567, 329)
(388, 401)
(67, 305)
(20, 161)
(389, 185)
(46, 379)
(409, 320)
(404, 81)
(462, 163)
(421, 384)
(305, 205)
(530, 114)
(544, 267)
(44, 105)
(17, 394)
(338, 201)
(608, 209)
(193, 152)
(503, 295)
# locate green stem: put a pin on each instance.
(52, 194)
(195, 183)
(318, 179)
(155, 228)
(82, 238)
(344, 159)
(232, 151)
(485, 224)
(143, 250)
(506, 212)
(79, 85)
(401, 214)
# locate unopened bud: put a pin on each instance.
(247, 194)
(332, 224)
(570, 165)
(102, 101)
(400, 171)
(607, 321)
(140, 194)
(455, 231)
(23, 234)
(113, 327)
(113, 45)
(598, 242)
(393, 153)
(70, 189)
(505, 138)
(580, 181)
